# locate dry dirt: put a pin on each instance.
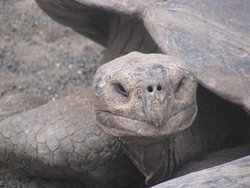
(39, 56)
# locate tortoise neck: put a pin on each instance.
(159, 159)
(148, 157)
(216, 126)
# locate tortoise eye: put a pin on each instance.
(120, 89)
(180, 86)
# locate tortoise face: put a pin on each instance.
(144, 95)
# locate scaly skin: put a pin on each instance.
(60, 140)
(121, 37)
(78, 148)
(162, 120)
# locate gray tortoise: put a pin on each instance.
(166, 124)
(205, 41)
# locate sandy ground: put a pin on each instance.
(41, 57)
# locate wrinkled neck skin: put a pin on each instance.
(158, 159)
(214, 128)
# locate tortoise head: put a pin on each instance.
(144, 95)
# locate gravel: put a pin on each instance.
(41, 57)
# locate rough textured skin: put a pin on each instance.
(123, 86)
(232, 174)
(8, 179)
(149, 103)
(60, 140)
(50, 154)
(93, 19)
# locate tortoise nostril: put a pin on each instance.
(159, 88)
(150, 89)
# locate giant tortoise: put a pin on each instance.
(148, 101)
(167, 125)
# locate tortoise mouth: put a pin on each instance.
(118, 125)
